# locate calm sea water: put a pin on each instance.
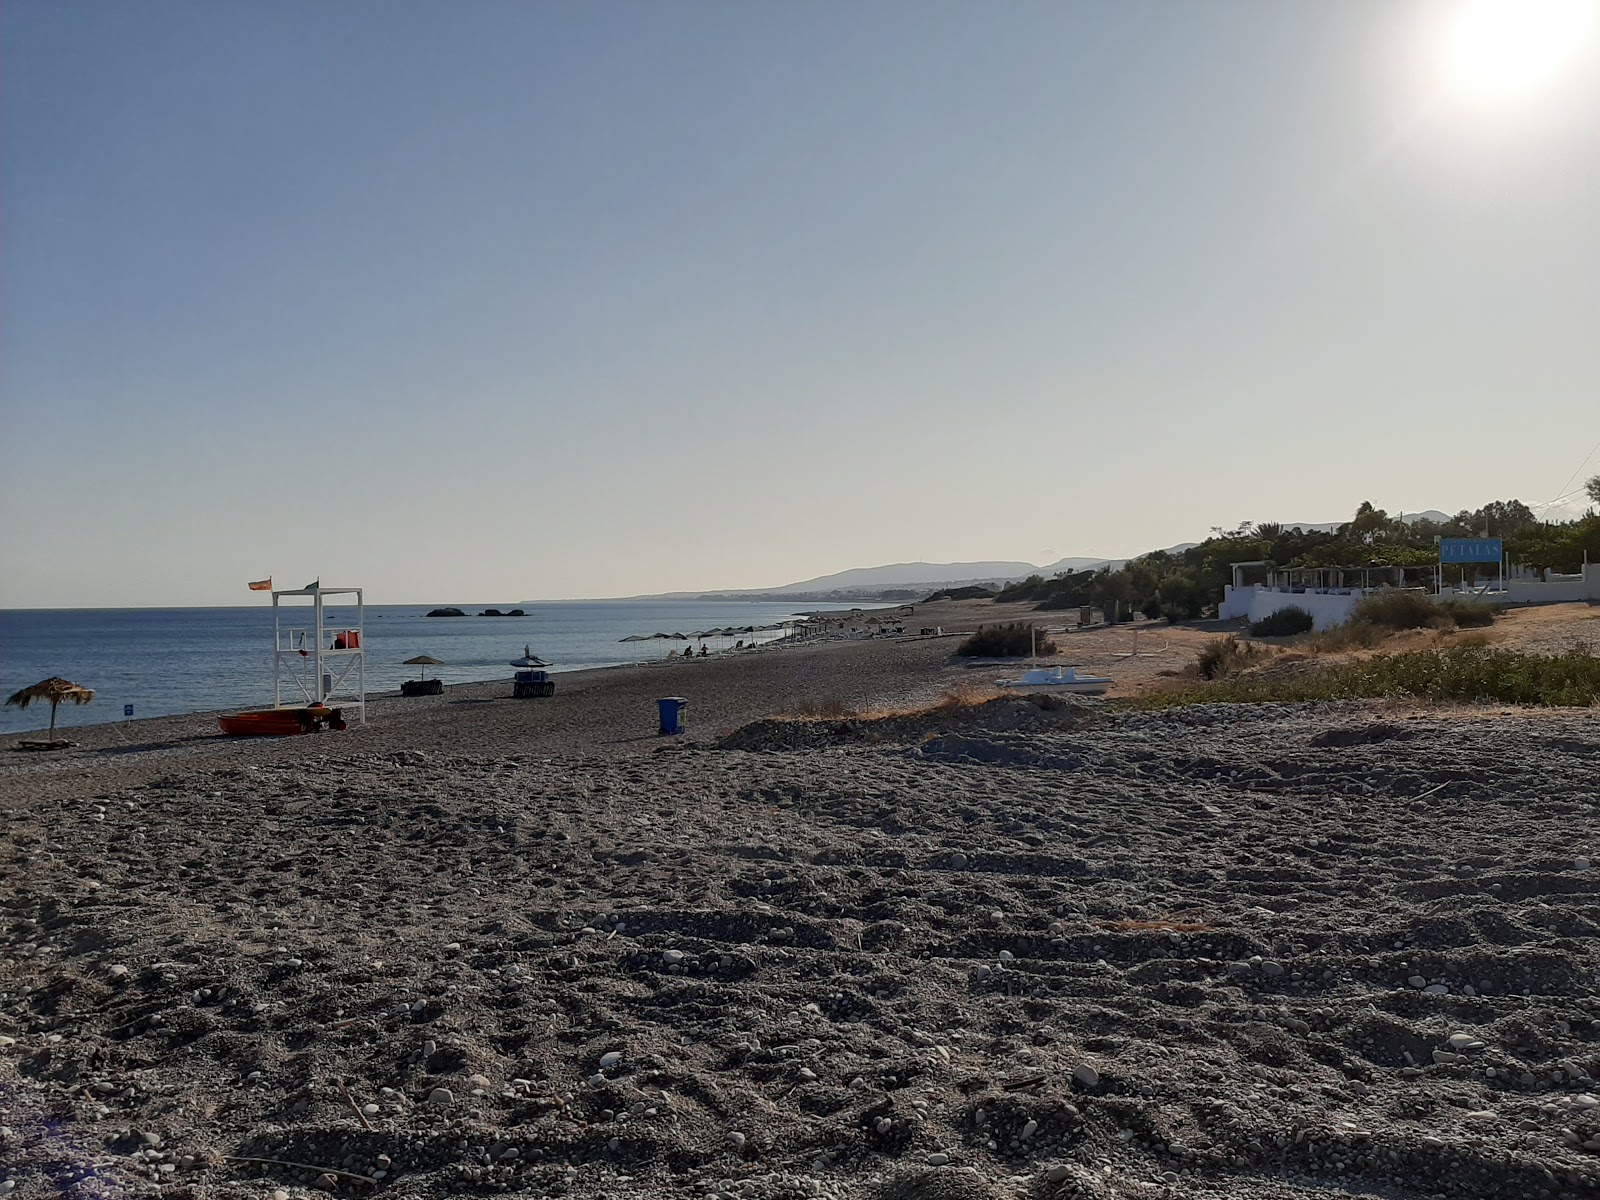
(165, 661)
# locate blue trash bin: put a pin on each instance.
(672, 713)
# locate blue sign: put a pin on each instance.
(1469, 550)
(127, 710)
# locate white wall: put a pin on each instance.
(1563, 589)
(1257, 602)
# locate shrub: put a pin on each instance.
(1464, 674)
(1470, 614)
(1348, 637)
(1397, 610)
(1221, 657)
(1006, 641)
(975, 591)
(1283, 623)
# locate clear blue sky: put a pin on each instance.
(533, 300)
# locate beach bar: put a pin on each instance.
(317, 660)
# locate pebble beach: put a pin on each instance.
(997, 948)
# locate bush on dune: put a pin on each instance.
(1471, 674)
(1221, 657)
(1015, 640)
(1417, 610)
(1396, 610)
(1283, 623)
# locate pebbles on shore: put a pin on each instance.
(1114, 992)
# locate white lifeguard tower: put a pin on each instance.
(315, 658)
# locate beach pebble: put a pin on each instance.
(736, 1140)
(1271, 969)
(958, 862)
(371, 1110)
(672, 957)
(1436, 989)
(1463, 1041)
(1057, 1173)
(1417, 981)
(1087, 1075)
(1028, 1130)
(117, 970)
(441, 1096)
(610, 1059)
(938, 1160)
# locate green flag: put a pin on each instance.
(314, 585)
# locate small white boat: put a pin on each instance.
(1057, 679)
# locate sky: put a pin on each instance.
(532, 301)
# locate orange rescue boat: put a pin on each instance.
(281, 722)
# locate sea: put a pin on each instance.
(166, 661)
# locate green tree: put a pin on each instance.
(1504, 518)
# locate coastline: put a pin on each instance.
(606, 711)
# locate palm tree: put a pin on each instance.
(55, 690)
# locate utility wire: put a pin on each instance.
(1575, 474)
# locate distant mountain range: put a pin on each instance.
(900, 581)
(904, 581)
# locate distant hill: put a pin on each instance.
(904, 574)
(902, 581)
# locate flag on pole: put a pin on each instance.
(262, 585)
(314, 585)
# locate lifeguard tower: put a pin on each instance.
(318, 659)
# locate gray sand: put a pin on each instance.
(1222, 953)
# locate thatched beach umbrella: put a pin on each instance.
(55, 690)
(424, 661)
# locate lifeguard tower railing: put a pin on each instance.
(318, 656)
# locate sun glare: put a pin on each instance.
(1500, 48)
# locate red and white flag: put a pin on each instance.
(262, 585)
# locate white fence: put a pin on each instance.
(1552, 589)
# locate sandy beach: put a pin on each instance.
(485, 946)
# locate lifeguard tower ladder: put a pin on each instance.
(321, 661)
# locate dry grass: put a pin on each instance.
(1347, 637)
(831, 709)
(962, 695)
(1225, 656)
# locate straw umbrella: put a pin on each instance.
(424, 661)
(55, 690)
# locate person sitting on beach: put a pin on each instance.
(703, 650)
(338, 642)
